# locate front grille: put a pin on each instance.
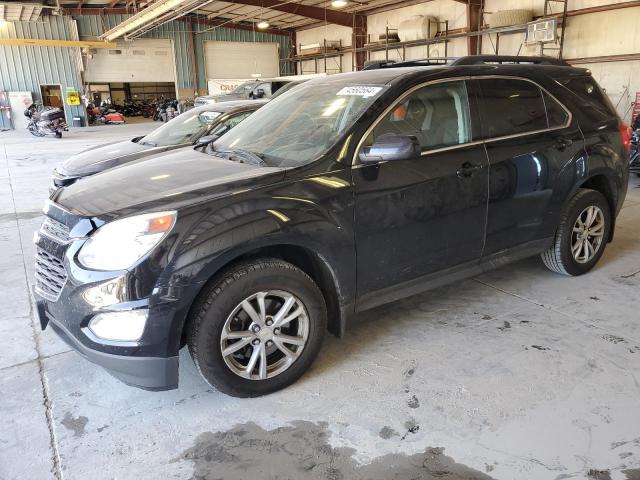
(55, 230)
(50, 275)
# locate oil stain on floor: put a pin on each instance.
(302, 452)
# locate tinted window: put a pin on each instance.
(509, 107)
(437, 115)
(229, 123)
(557, 115)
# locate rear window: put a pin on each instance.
(510, 107)
(593, 102)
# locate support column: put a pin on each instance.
(359, 39)
(474, 24)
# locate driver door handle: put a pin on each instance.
(467, 169)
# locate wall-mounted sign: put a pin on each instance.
(73, 96)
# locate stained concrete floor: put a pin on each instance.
(516, 374)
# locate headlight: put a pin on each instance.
(119, 244)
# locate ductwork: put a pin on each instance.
(150, 15)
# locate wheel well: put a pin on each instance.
(600, 183)
(309, 262)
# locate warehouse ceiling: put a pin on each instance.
(20, 12)
(280, 14)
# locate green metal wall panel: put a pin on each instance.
(25, 68)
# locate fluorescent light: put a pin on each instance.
(262, 25)
(339, 3)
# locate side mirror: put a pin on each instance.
(391, 147)
(259, 93)
(206, 140)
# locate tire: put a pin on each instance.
(506, 18)
(58, 134)
(215, 312)
(560, 258)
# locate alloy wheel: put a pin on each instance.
(264, 334)
(588, 233)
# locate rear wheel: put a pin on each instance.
(258, 328)
(582, 235)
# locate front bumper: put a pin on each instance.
(68, 297)
(148, 373)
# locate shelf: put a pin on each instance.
(414, 43)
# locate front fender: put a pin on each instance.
(314, 213)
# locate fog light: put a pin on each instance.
(125, 326)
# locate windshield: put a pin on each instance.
(185, 128)
(303, 125)
(245, 88)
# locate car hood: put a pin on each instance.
(106, 156)
(166, 181)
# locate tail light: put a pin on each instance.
(625, 136)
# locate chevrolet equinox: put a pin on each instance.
(348, 192)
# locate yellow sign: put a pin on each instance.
(73, 97)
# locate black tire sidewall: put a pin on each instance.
(210, 360)
(584, 200)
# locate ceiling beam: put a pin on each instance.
(36, 42)
(331, 16)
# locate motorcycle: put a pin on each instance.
(45, 121)
(102, 115)
(167, 110)
(634, 154)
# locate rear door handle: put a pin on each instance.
(467, 169)
(562, 143)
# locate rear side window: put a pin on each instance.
(557, 115)
(510, 107)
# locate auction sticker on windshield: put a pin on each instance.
(360, 91)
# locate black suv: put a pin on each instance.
(345, 193)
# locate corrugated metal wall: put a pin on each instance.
(25, 68)
(178, 31)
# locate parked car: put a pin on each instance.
(348, 192)
(251, 90)
(182, 131)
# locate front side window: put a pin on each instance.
(229, 123)
(511, 106)
(300, 127)
(185, 128)
(436, 115)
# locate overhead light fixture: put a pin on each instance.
(339, 3)
(262, 24)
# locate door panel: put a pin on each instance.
(424, 214)
(524, 168)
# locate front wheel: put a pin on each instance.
(257, 328)
(584, 230)
(58, 134)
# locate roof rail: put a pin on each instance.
(418, 62)
(485, 59)
(467, 60)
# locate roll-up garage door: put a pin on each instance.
(143, 60)
(241, 59)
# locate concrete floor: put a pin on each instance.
(517, 374)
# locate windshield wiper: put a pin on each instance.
(243, 156)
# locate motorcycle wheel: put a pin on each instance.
(58, 134)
